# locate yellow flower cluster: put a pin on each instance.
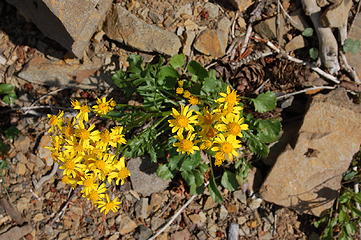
(219, 130)
(85, 154)
(193, 100)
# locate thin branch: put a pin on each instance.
(349, 69)
(38, 184)
(63, 208)
(160, 231)
(35, 108)
(304, 90)
(286, 14)
(246, 39)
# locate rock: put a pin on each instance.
(115, 236)
(43, 152)
(202, 236)
(311, 171)
(214, 42)
(265, 236)
(355, 34)
(209, 204)
(143, 232)
(184, 10)
(71, 23)
(296, 43)
(198, 219)
(156, 201)
(267, 28)
(126, 225)
(156, 223)
(241, 220)
(143, 177)
(241, 23)
(240, 196)
(38, 217)
(126, 28)
(255, 203)
(299, 20)
(39, 164)
(223, 213)
(22, 204)
(336, 16)
(141, 208)
(212, 10)
(2, 60)
(22, 144)
(241, 5)
(189, 38)
(244, 230)
(181, 235)
(20, 169)
(57, 73)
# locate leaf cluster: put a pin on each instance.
(7, 91)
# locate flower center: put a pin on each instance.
(88, 182)
(233, 128)
(84, 134)
(68, 131)
(100, 164)
(69, 165)
(123, 173)
(211, 133)
(84, 109)
(110, 205)
(186, 145)
(227, 147)
(231, 98)
(94, 196)
(182, 121)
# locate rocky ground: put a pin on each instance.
(48, 73)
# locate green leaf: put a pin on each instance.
(342, 216)
(167, 76)
(135, 63)
(213, 190)
(229, 181)
(6, 88)
(118, 79)
(189, 178)
(313, 53)
(268, 130)
(265, 102)
(196, 69)
(308, 32)
(177, 61)
(4, 148)
(356, 211)
(164, 172)
(352, 46)
(11, 132)
(350, 228)
(199, 179)
(256, 145)
(174, 162)
(191, 162)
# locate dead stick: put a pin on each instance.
(233, 231)
(303, 91)
(38, 184)
(349, 69)
(174, 216)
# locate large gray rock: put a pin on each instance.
(69, 22)
(143, 177)
(307, 174)
(58, 73)
(355, 34)
(126, 28)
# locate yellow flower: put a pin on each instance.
(232, 125)
(116, 136)
(181, 83)
(103, 106)
(107, 205)
(68, 130)
(179, 90)
(206, 144)
(186, 94)
(230, 98)
(219, 158)
(55, 121)
(186, 145)
(183, 120)
(87, 135)
(71, 164)
(84, 111)
(121, 174)
(88, 181)
(193, 100)
(228, 146)
(69, 180)
(96, 194)
(102, 167)
(104, 139)
(207, 118)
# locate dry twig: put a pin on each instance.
(38, 184)
(304, 90)
(349, 69)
